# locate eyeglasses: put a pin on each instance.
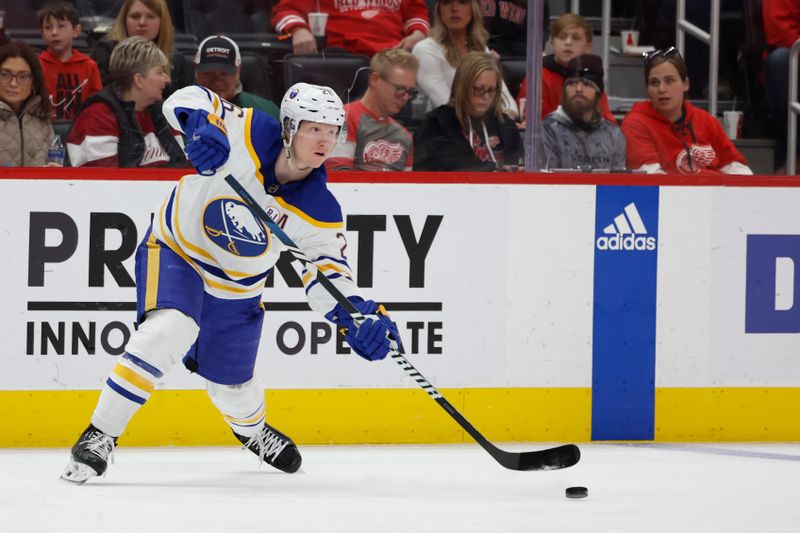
(23, 78)
(664, 52)
(400, 90)
(482, 91)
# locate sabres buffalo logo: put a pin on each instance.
(231, 225)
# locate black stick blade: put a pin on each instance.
(549, 459)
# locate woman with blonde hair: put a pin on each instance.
(149, 19)
(470, 132)
(457, 30)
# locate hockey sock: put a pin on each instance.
(247, 426)
(127, 388)
(242, 406)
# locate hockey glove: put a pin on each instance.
(208, 146)
(371, 340)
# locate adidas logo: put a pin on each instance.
(627, 232)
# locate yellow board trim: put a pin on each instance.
(307, 218)
(368, 416)
(133, 378)
(153, 264)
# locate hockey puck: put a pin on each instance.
(575, 493)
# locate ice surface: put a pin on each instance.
(730, 488)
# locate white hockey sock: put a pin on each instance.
(242, 406)
(127, 388)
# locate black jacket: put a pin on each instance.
(181, 72)
(131, 140)
(439, 143)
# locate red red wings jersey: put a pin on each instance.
(373, 143)
(699, 145)
(358, 26)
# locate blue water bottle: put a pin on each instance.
(56, 152)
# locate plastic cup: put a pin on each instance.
(318, 21)
(732, 121)
(630, 39)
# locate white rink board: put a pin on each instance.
(511, 266)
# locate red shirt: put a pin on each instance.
(699, 145)
(93, 140)
(358, 26)
(781, 22)
(552, 85)
(69, 83)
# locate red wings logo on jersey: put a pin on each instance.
(702, 157)
(383, 152)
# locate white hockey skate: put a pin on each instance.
(90, 456)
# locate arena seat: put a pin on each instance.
(514, 70)
(344, 73)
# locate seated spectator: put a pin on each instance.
(667, 134)
(575, 135)
(151, 20)
(781, 29)
(375, 141)
(218, 66)
(457, 29)
(25, 128)
(70, 75)
(357, 27)
(570, 36)
(122, 125)
(470, 132)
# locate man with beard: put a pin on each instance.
(575, 136)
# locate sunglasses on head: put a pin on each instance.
(664, 52)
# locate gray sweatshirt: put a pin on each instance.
(599, 145)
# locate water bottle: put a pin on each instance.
(55, 154)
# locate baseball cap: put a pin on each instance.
(217, 52)
(588, 67)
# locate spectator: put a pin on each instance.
(667, 134)
(470, 132)
(457, 29)
(575, 135)
(122, 125)
(218, 65)
(375, 141)
(781, 29)
(358, 27)
(151, 20)
(25, 128)
(70, 75)
(570, 36)
(507, 24)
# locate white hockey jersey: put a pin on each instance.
(205, 222)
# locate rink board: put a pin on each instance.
(504, 291)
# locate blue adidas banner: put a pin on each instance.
(624, 325)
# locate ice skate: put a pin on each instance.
(90, 456)
(273, 447)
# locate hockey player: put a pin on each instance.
(201, 267)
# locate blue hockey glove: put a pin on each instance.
(208, 146)
(371, 339)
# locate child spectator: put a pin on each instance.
(122, 125)
(570, 36)
(375, 141)
(70, 75)
(25, 128)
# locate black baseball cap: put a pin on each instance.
(217, 52)
(588, 67)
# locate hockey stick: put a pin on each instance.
(548, 459)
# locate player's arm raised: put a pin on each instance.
(200, 115)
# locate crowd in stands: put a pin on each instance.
(442, 61)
